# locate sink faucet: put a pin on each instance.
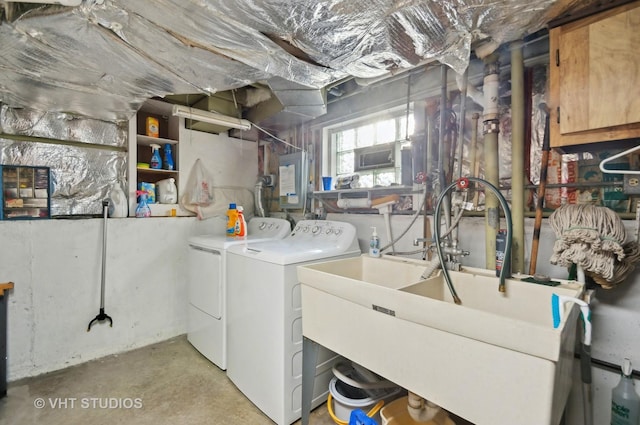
(463, 183)
(448, 247)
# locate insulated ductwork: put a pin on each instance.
(103, 58)
(291, 104)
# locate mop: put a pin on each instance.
(102, 315)
(593, 238)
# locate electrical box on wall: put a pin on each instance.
(292, 180)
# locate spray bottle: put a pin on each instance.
(142, 210)
(374, 244)
(625, 403)
(156, 161)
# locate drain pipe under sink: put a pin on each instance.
(420, 409)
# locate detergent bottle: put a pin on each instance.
(156, 162)
(168, 157)
(232, 217)
(143, 210)
(118, 201)
(241, 224)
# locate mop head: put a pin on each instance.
(594, 238)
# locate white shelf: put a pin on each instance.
(148, 140)
(156, 170)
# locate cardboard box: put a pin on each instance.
(612, 197)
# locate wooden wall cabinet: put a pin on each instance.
(594, 78)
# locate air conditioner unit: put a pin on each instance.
(373, 157)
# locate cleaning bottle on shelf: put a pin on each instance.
(142, 210)
(374, 244)
(625, 402)
(168, 157)
(241, 224)
(232, 217)
(156, 162)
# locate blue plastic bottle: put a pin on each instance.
(156, 162)
(168, 157)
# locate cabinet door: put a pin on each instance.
(595, 78)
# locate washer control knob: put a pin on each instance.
(338, 232)
(297, 228)
(270, 225)
(329, 231)
(262, 225)
(305, 229)
(315, 230)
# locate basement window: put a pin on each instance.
(370, 147)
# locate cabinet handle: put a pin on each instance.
(558, 115)
(557, 57)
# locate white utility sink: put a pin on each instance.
(495, 359)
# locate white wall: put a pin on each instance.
(56, 267)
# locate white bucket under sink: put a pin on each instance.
(346, 398)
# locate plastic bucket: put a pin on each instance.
(346, 398)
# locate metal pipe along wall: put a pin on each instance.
(491, 128)
(517, 156)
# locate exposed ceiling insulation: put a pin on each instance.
(102, 59)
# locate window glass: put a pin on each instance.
(344, 163)
(386, 131)
(365, 133)
(346, 140)
(384, 178)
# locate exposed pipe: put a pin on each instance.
(463, 116)
(475, 162)
(421, 410)
(491, 128)
(517, 155)
(441, 133)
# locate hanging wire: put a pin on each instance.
(275, 137)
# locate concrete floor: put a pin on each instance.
(165, 383)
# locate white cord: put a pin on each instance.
(275, 137)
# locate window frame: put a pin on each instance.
(329, 165)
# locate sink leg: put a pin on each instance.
(309, 360)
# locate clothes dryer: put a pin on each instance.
(207, 284)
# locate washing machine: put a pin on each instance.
(207, 284)
(264, 324)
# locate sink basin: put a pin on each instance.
(494, 359)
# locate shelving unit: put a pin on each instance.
(169, 131)
(370, 193)
(26, 192)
